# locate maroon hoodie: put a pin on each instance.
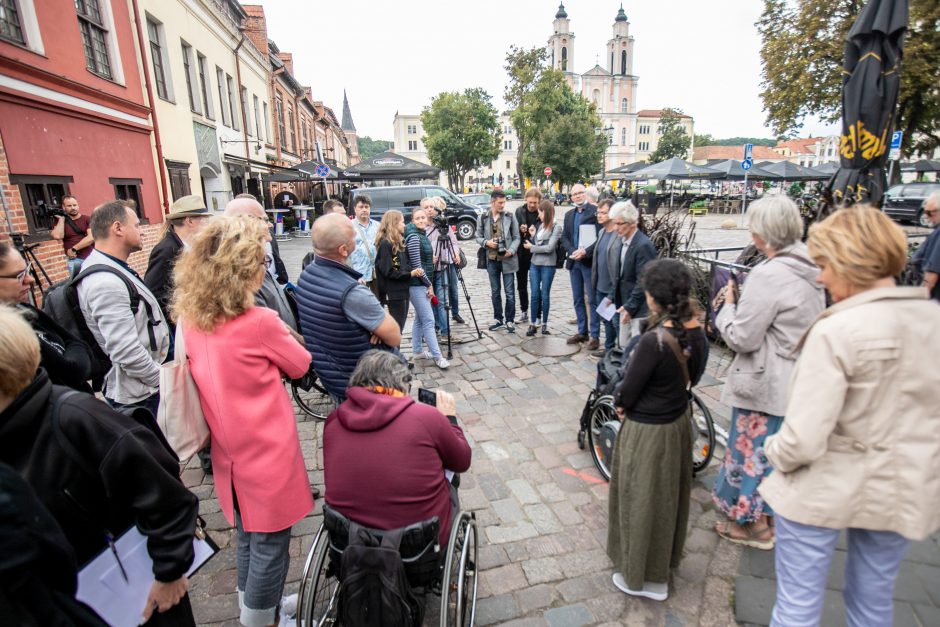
(384, 460)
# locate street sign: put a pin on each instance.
(547, 171)
(895, 153)
(748, 148)
(746, 164)
(322, 171)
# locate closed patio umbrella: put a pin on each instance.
(787, 171)
(924, 165)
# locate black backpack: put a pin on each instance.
(375, 590)
(61, 304)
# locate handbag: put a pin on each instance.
(462, 262)
(180, 415)
(481, 258)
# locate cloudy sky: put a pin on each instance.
(700, 56)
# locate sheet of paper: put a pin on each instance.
(606, 309)
(587, 235)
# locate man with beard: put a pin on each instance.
(73, 230)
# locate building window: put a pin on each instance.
(412, 144)
(412, 129)
(564, 59)
(644, 146)
(623, 62)
(507, 130)
(596, 97)
(267, 123)
(507, 144)
(623, 136)
(257, 118)
(659, 129)
(624, 105)
(644, 129)
(293, 129)
(244, 99)
(39, 193)
(190, 78)
(10, 27)
(204, 88)
(179, 178)
(281, 133)
(94, 37)
(507, 165)
(232, 106)
(156, 57)
(129, 189)
(223, 101)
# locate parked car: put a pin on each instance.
(905, 202)
(406, 198)
(477, 200)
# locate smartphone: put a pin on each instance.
(427, 397)
(737, 286)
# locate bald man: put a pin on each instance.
(340, 318)
(580, 255)
(280, 270)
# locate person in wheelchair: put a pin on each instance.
(385, 455)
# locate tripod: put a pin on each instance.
(444, 245)
(26, 250)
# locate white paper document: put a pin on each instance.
(606, 309)
(587, 235)
(102, 586)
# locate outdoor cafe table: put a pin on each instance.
(303, 222)
(278, 216)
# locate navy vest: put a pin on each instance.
(334, 341)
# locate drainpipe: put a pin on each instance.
(153, 109)
(244, 103)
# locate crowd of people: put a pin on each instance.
(834, 421)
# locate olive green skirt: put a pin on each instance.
(651, 476)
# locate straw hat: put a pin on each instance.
(186, 207)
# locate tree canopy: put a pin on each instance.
(802, 50)
(369, 147)
(462, 132)
(708, 140)
(674, 141)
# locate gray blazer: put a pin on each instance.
(485, 232)
(544, 247)
(612, 259)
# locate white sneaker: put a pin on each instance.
(288, 608)
(427, 355)
(442, 363)
(654, 591)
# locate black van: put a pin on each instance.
(406, 198)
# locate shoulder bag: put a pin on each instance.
(180, 413)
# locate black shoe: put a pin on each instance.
(510, 327)
(456, 318)
(316, 492)
(598, 353)
(496, 325)
(206, 463)
(531, 331)
(545, 330)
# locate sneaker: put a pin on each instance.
(427, 355)
(545, 330)
(442, 363)
(496, 325)
(531, 331)
(456, 318)
(510, 327)
(593, 344)
(524, 316)
(599, 353)
(289, 606)
(573, 321)
(577, 339)
(654, 591)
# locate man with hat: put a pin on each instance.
(186, 217)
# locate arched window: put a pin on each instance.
(611, 61)
(623, 135)
(623, 62)
(596, 97)
(623, 105)
(564, 58)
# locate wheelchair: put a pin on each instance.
(452, 575)
(311, 396)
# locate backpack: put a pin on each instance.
(61, 304)
(375, 590)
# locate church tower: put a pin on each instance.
(349, 129)
(561, 43)
(620, 47)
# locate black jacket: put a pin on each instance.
(393, 282)
(280, 270)
(159, 275)
(135, 475)
(567, 235)
(66, 359)
(629, 293)
(525, 218)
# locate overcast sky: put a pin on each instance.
(700, 56)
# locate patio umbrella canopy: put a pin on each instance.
(871, 78)
(829, 168)
(674, 169)
(924, 165)
(389, 165)
(732, 171)
(787, 171)
(628, 169)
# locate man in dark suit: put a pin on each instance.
(636, 250)
(578, 264)
(604, 271)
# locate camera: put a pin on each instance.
(501, 247)
(45, 212)
(440, 221)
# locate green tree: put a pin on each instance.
(462, 132)
(369, 147)
(737, 141)
(704, 140)
(573, 148)
(674, 141)
(528, 96)
(802, 49)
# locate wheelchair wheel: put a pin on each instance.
(312, 397)
(602, 439)
(703, 435)
(318, 598)
(459, 584)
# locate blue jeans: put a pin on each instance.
(74, 266)
(445, 297)
(495, 270)
(611, 330)
(540, 280)
(151, 404)
(802, 557)
(262, 560)
(581, 281)
(423, 327)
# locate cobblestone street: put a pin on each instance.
(540, 504)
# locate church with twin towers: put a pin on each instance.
(632, 133)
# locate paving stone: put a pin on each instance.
(584, 586)
(491, 556)
(496, 609)
(569, 616)
(543, 518)
(510, 533)
(536, 597)
(542, 570)
(928, 615)
(523, 491)
(508, 510)
(526, 622)
(505, 578)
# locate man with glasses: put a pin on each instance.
(927, 257)
(636, 250)
(604, 270)
(578, 240)
(74, 232)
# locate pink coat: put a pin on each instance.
(255, 448)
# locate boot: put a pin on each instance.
(531, 331)
(545, 330)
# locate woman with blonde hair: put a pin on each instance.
(860, 448)
(392, 268)
(421, 290)
(239, 354)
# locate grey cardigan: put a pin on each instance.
(543, 245)
(510, 226)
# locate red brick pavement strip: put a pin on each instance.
(540, 504)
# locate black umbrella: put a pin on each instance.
(924, 165)
(389, 165)
(871, 78)
(732, 171)
(673, 170)
(627, 169)
(787, 171)
(829, 168)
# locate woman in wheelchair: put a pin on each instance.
(385, 455)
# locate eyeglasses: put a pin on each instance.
(21, 275)
(930, 212)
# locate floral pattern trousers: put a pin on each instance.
(745, 466)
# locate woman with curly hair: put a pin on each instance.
(393, 270)
(651, 471)
(238, 354)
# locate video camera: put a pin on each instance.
(45, 212)
(440, 221)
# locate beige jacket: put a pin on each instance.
(860, 446)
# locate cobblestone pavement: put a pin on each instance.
(540, 504)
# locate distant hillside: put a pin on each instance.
(708, 140)
(369, 147)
